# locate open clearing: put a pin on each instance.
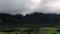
(42, 30)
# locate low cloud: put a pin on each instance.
(29, 6)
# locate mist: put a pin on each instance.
(29, 6)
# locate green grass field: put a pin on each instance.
(41, 30)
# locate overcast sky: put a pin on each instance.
(29, 6)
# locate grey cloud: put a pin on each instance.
(29, 6)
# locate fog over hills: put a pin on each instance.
(30, 19)
(29, 6)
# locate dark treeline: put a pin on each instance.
(30, 19)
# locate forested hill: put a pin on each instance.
(30, 19)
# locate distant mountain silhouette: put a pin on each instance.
(30, 19)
